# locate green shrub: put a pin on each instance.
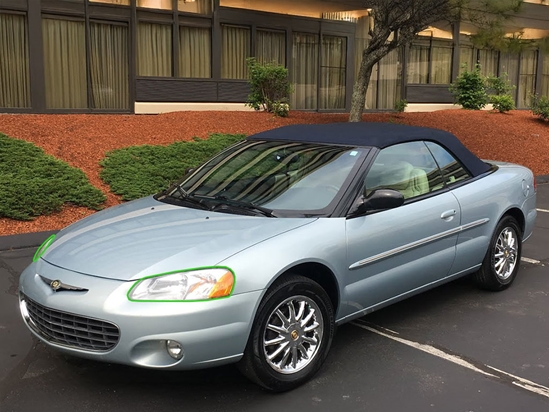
(469, 89)
(500, 93)
(540, 106)
(502, 103)
(139, 171)
(270, 87)
(499, 85)
(281, 109)
(33, 183)
(401, 105)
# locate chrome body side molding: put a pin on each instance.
(417, 243)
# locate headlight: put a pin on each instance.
(195, 284)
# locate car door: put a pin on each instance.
(396, 251)
(476, 210)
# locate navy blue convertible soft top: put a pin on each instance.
(369, 134)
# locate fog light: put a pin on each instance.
(23, 308)
(174, 348)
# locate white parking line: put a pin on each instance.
(543, 210)
(480, 368)
(528, 260)
(524, 383)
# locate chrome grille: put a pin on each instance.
(70, 330)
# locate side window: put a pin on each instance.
(407, 167)
(452, 170)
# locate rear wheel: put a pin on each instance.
(502, 261)
(291, 335)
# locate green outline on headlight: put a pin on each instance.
(42, 248)
(181, 271)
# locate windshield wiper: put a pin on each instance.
(223, 200)
(184, 196)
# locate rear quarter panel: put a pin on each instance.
(490, 197)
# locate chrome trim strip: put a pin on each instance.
(417, 243)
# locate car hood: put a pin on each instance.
(147, 237)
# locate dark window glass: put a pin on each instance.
(430, 62)
(408, 168)
(452, 170)
(154, 50)
(235, 49)
(14, 62)
(305, 70)
(109, 66)
(65, 64)
(270, 47)
(195, 52)
(332, 72)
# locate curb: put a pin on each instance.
(25, 240)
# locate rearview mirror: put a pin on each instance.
(380, 199)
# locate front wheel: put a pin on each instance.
(502, 261)
(291, 335)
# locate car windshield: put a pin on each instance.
(269, 176)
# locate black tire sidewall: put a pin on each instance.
(295, 286)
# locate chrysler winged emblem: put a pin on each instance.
(56, 285)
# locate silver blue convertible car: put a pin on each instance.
(258, 254)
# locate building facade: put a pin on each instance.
(126, 56)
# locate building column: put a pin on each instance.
(539, 72)
(456, 51)
(216, 43)
(36, 57)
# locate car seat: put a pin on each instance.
(399, 175)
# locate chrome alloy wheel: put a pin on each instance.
(293, 334)
(505, 253)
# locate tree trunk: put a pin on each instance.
(361, 87)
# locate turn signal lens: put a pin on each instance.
(223, 287)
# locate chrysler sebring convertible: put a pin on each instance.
(257, 255)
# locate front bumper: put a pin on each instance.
(211, 332)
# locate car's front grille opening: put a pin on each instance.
(69, 329)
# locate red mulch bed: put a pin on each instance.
(82, 140)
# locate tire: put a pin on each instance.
(501, 263)
(282, 365)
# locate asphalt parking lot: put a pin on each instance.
(454, 348)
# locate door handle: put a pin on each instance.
(448, 215)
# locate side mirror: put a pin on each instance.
(380, 199)
(189, 170)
